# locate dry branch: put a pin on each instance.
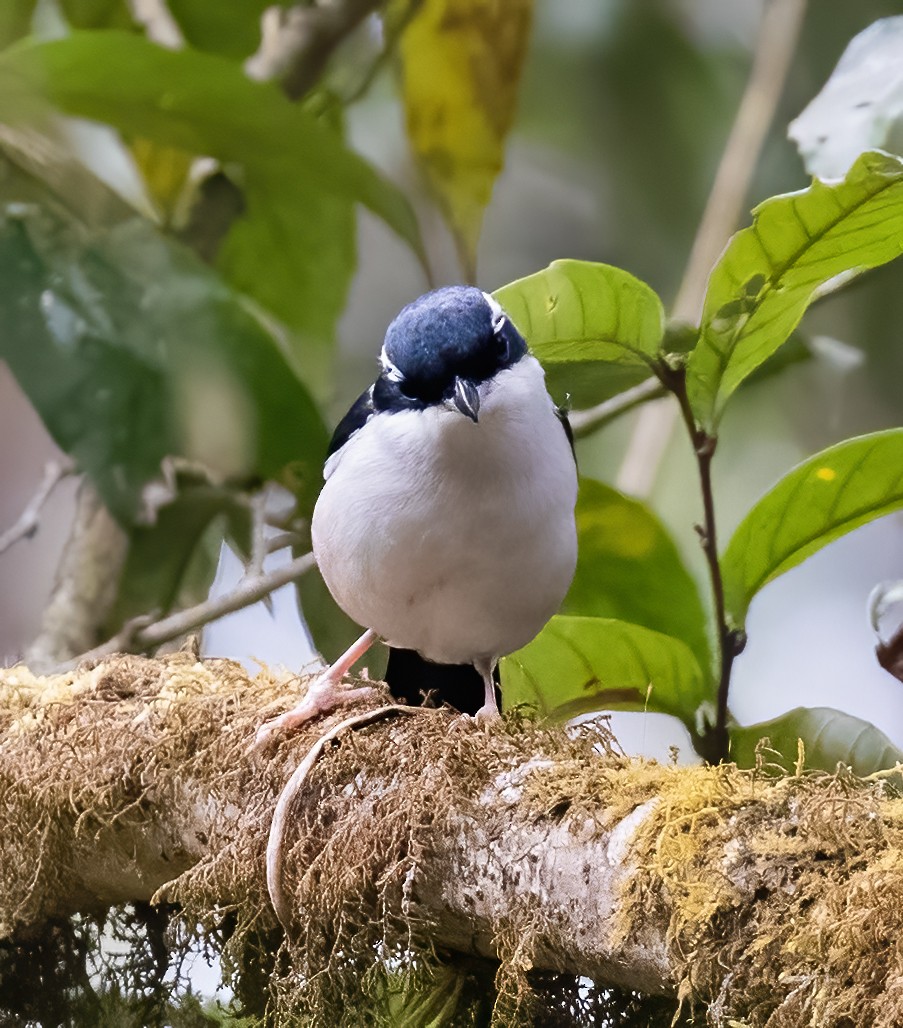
(775, 901)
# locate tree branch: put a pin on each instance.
(585, 422)
(310, 36)
(768, 899)
(29, 520)
(143, 633)
(86, 583)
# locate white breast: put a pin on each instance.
(449, 537)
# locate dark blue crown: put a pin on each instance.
(449, 333)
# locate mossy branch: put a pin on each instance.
(768, 898)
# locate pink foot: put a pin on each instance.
(324, 694)
(489, 712)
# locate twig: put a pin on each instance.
(308, 38)
(29, 520)
(585, 422)
(283, 541)
(395, 21)
(259, 547)
(139, 635)
(776, 44)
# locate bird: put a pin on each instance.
(445, 525)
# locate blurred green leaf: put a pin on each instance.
(582, 311)
(826, 496)
(629, 568)
(168, 566)
(304, 283)
(98, 14)
(131, 350)
(39, 169)
(15, 20)
(293, 169)
(799, 247)
(231, 29)
(460, 66)
(829, 737)
(581, 384)
(581, 664)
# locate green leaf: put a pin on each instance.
(294, 169)
(629, 568)
(460, 64)
(98, 14)
(15, 20)
(826, 496)
(579, 664)
(796, 250)
(577, 311)
(168, 565)
(231, 29)
(131, 351)
(829, 737)
(307, 285)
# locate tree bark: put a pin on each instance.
(778, 900)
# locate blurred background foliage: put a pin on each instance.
(209, 217)
(209, 213)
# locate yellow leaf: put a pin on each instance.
(460, 65)
(165, 171)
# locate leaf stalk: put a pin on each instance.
(713, 744)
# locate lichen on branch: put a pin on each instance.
(777, 900)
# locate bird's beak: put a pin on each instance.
(466, 398)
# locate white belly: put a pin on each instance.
(448, 537)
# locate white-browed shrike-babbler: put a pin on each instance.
(446, 522)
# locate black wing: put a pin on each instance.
(360, 413)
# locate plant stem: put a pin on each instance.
(713, 745)
(776, 45)
(585, 422)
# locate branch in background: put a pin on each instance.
(585, 422)
(283, 541)
(295, 54)
(259, 547)
(86, 584)
(138, 634)
(29, 520)
(778, 37)
(308, 38)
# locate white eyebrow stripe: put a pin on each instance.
(392, 373)
(498, 315)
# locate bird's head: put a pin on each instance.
(444, 344)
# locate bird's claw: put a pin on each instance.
(323, 696)
(488, 716)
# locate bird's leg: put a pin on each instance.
(324, 693)
(490, 709)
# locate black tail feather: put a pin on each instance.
(414, 680)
